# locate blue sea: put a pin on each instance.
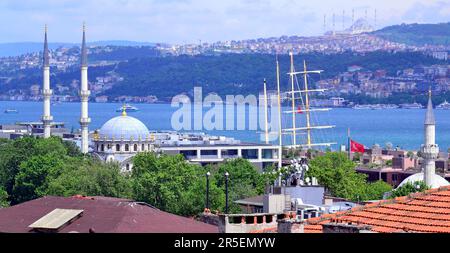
(401, 127)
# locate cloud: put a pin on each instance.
(179, 21)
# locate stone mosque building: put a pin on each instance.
(122, 137)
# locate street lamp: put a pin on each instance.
(207, 189)
(226, 191)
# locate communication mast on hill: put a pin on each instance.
(343, 20)
(353, 16)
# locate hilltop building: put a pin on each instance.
(358, 27)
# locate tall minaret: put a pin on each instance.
(430, 149)
(46, 91)
(84, 95)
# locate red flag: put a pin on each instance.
(356, 147)
(299, 110)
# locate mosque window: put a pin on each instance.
(143, 147)
(127, 147)
(135, 147)
(128, 167)
(117, 147)
(103, 148)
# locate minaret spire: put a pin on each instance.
(84, 61)
(84, 95)
(430, 149)
(46, 91)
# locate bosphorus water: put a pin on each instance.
(401, 127)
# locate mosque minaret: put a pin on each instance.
(430, 151)
(84, 95)
(46, 91)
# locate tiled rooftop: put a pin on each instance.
(427, 212)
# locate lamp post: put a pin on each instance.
(226, 191)
(207, 189)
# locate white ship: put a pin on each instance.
(444, 106)
(411, 106)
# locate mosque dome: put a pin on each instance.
(436, 180)
(125, 127)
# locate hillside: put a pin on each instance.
(20, 48)
(241, 74)
(417, 34)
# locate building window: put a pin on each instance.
(135, 147)
(127, 147)
(128, 167)
(103, 147)
(250, 153)
(117, 147)
(143, 147)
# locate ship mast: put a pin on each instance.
(280, 131)
(309, 127)
(266, 114)
(292, 75)
(308, 123)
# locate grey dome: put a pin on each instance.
(125, 127)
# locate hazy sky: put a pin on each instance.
(187, 21)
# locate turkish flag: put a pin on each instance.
(299, 110)
(356, 147)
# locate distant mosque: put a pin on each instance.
(430, 151)
(118, 140)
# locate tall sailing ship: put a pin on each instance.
(298, 98)
(302, 93)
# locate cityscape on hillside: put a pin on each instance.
(273, 135)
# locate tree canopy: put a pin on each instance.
(337, 173)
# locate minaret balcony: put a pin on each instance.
(85, 121)
(47, 119)
(47, 93)
(85, 93)
(430, 151)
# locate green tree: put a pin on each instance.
(376, 190)
(3, 198)
(14, 153)
(244, 180)
(32, 178)
(408, 188)
(90, 178)
(171, 183)
(337, 173)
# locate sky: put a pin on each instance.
(192, 21)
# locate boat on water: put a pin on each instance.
(444, 106)
(375, 107)
(127, 108)
(11, 111)
(411, 106)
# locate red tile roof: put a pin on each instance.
(419, 212)
(102, 215)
